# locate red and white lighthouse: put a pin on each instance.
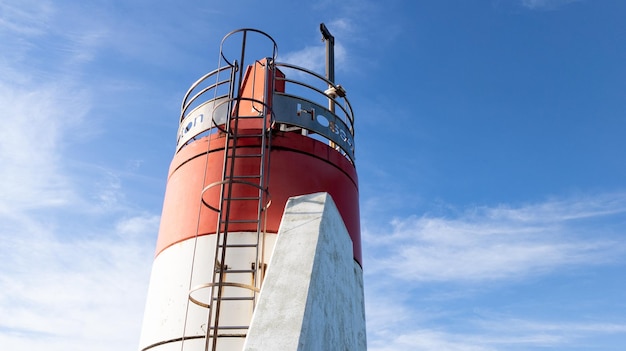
(253, 133)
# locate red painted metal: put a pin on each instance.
(299, 165)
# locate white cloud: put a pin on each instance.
(489, 335)
(25, 17)
(47, 108)
(46, 42)
(138, 225)
(428, 340)
(310, 57)
(573, 329)
(422, 266)
(497, 243)
(37, 121)
(313, 58)
(74, 259)
(43, 104)
(545, 4)
(69, 289)
(423, 337)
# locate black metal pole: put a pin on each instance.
(330, 61)
(330, 52)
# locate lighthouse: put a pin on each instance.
(259, 242)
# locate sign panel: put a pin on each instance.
(202, 118)
(306, 114)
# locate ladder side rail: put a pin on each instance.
(223, 224)
(229, 179)
(220, 217)
(268, 86)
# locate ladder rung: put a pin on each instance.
(248, 117)
(230, 327)
(239, 245)
(259, 137)
(246, 136)
(241, 335)
(240, 271)
(250, 135)
(246, 176)
(249, 298)
(233, 142)
(253, 152)
(242, 198)
(245, 156)
(240, 221)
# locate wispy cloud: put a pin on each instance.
(43, 108)
(313, 58)
(427, 340)
(37, 120)
(73, 266)
(496, 334)
(25, 17)
(420, 267)
(51, 106)
(545, 4)
(63, 282)
(69, 278)
(45, 41)
(497, 243)
(570, 329)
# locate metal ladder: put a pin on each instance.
(229, 284)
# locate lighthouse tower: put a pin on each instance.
(259, 243)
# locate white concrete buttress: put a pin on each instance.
(312, 295)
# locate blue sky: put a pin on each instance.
(490, 145)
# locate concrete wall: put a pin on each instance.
(312, 296)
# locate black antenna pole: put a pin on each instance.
(330, 62)
(330, 52)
